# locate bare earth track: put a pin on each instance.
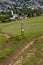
(6, 35)
(12, 58)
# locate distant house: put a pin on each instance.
(13, 16)
(1, 10)
(19, 7)
(23, 16)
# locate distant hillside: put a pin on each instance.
(21, 0)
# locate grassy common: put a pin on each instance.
(33, 26)
(33, 55)
(8, 46)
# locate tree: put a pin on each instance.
(30, 12)
(38, 12)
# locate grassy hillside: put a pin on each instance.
(31, 26)
(8, 46)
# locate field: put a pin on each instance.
(33, 55)
(8, 46)
(32, 27)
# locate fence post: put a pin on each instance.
(22, 28)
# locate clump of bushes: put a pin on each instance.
(20, 37)
(4, 17)
(30, 12)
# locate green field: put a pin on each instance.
(33, 55)
(33, 26)
(8, 46)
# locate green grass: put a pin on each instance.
(33, 55)
(37, 57)
(33, 26)
(8, 46)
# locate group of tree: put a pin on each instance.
(30, 12)
(4, 17)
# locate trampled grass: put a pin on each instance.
(36, 53)
(8, 46)
(33, 55)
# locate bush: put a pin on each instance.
(20, 37)
(38, 12)
(3, 18)
(30, 12)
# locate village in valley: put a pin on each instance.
(21, 8)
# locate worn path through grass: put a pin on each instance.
(11, 59)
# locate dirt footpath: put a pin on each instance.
(12, 58)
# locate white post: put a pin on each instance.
(22, 28)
